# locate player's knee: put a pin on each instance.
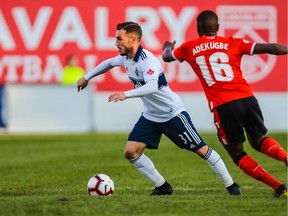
(202, 151)
(130, 154)
(259, 142)
(255, 147)
(238, 157)
(133, 149)
(256, 142)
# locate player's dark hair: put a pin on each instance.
(207, 23)
(131, 27)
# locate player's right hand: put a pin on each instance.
(119, 96)
(82, 83)
(169, 45)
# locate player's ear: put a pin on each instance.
(133, 39)
(217, 27)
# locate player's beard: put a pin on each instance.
(126, 51)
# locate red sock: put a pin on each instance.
(272, 148)
(252, 168)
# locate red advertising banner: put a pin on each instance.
(36, 37)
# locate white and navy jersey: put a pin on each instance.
(160, 106)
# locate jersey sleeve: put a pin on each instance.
(180, 52)
(104, 67)
(245, 46)
(150, 87)
(116, 61)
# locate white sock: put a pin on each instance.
(147, 168)
(217, 164)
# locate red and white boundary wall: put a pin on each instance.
(36, 36)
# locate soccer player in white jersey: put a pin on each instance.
(164, 112)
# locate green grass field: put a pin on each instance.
(48, 174)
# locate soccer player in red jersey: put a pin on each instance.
(216, 61)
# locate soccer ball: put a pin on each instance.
(100, 185)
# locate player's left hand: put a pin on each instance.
(119, 96)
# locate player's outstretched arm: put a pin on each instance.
(270, 48)
(167, 51)
(148, 88)
(103, 67)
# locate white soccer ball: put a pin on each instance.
(100, 185)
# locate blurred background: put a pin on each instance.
(45, 46)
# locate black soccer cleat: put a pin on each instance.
(234, 189)
(281, 191)
(165, 189)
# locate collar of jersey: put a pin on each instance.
(140, 48)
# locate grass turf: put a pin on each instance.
(48, 174)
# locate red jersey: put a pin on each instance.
(216, 61)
